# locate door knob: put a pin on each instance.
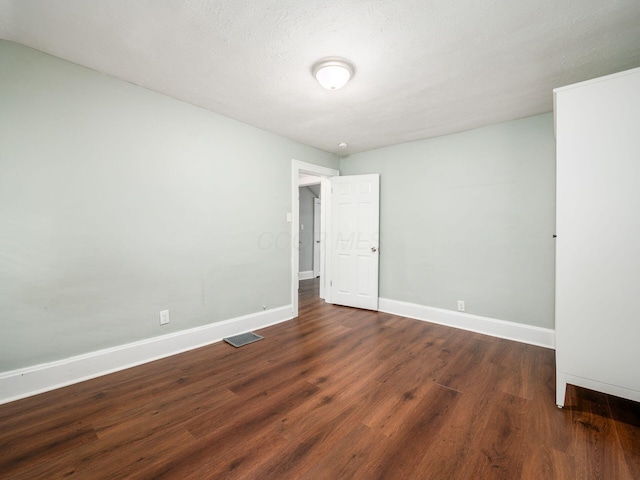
(374, 249)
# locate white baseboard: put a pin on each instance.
(17, 384)
(305, 275)
(543, 337)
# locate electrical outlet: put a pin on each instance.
(461, 306)
(164, 317)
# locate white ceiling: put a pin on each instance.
(423, 67)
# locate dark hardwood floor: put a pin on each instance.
(337, 393)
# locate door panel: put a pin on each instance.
(355, 233)
(316, 237)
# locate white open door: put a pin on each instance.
(355, 219)
(317, 235)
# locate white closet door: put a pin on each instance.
(598, 228)
(355, 207)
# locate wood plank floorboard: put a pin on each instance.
(337, 393)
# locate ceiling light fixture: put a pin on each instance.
(333, 73)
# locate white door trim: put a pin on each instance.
(297, 168)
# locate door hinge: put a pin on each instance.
(331, 283)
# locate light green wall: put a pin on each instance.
(470, 217)
(306, 236)
(117, 202)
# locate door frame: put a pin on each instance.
(297, 168)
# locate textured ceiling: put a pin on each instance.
(423, 67)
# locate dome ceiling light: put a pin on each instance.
(333, 73)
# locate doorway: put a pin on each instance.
(309, 235)
(300, 171)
